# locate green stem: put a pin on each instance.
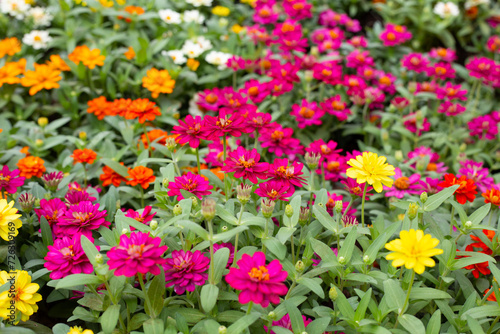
(489, 219)
(293, 249)
(451, 219)
(249, 309)
(224, 144)
(493, 325)
(115, 302)
(347, 209)
(84, 175)
(266, 232)
(363, 206)
(198, 160)
(237, 235)
(407, 297)
(211, 234)
(143, 287)
(145, 130)
(142, 196)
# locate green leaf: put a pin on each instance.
(381, 240)
(447, 311)
(225, 215)
(362, 306)
(17, 330)
(434, 324)
(156, 290)
(347, 247)
(428, 293)
(193, 227)
(75, 280)
(434, 201)
(295, 204)
(326, 254)
(474, 325)
(181, 323)
(109, 318)
(472, 258)
(275, 247)
(318, 326)
(154, 326)
(209, 294)
(46, 232)
(116, 166)
(244, 322)
(90, 250)
(394, 295)
(314, 284)
(482, 312)
(412, 324)
(60, 329)
(229, 234)
(221, 256)
(325, 219)
(295, 317)
(477, 216)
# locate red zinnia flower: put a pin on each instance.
(467, 190)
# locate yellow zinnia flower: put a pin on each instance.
(9, 220)
(79, 330)
(23, 299)
(372, 169)
(414, 250)
(221, 11)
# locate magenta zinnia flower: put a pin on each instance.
(82, 218)
(485, 127)
(225, 123)
(193, 183)
(9, 180)
(275, 190)
(245, 164)
(279, 170)
(191, 131)
(356, 189)
(52, 180)
(307, 114)
(403, 185)
(286, 323)
(395, 35)
(67, 257)
(229, 246)
(474, 170)
(415, 62)
(139, 253)
(53, 210)
(259, 283)
(145, 217)
(280, 142)
(185, 270)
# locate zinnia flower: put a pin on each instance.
(191, 131)
(275, 190)
(467, 190)
(195, 184)
(86, 156)
(10, 180)
(285, 322)
(110, 177)
(137, 253)
(259, 283)
(185, 270)
(83, 217)
(67, 257)
(414, 250)
(25, 295)
(245, 164)
(31, 166)
(492, 196)
(9, 46)
(52, 210)
(372, 169)
(141, 175)
(89, 58)
(43, 77)
(8, 215)
(404, 185)
(79, 330)
(143, 109)
(100, 107)
(158, 81)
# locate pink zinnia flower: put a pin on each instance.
(53, 210)
(336, 107)
(275, 190)
(245, 164)
(286, 72)
(356, 189)
(403, 185)
(190, 131)
(145, 217)
(480, 67)
(485, 127)
(411, 123)
(259, 283)
(260, 121)
(66, 257)
(75, 197)
(358, 58)
(297, 9)
(137, 253)
(352, 25)
(334, 167)
(330, 72)
(225, 124)
(451, 92)
(330, 204)
(280, 170)
(195, 184)
(441, 71)
(395, 35)
(280, 142)
(185, 270)
(400, 102)
(307, 114)
(286, 323)
(358, 42)
(415, 62)
(265, 15)
(229, 246)
(52, 180)
(326, 150)
(431, 186)
(10, 180)
(385, 81)
(256, 91)
(354, 84)
(83, 218)
(451, 109)
(443, 54)
(209, 99)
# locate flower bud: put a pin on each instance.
(349, 221)
(421, 165)
(300, 266)
(338, 206)
(385, 135)
(243, 192)
(208, 208)
(342, 260)
(412, 87)
(222, 330)
(26, 201)
(423, 197)
(43, 121)
(125, 231)
(82, 135)
(118, 205)
(195, 201)
(223, 22)
(463, 147)
(413, 210)
(99, 259)
(224, 228)
(333, 294)
(468, 224)
(366, 259)
(153, 225)
(177, 210)
(39, 143)
(399, 155)
(171, 144)
(165, 182)
(303, 216)
(267, 207)
(315, 51)
(312, 160)
(52, 180)
(288, 210)
(271, 315)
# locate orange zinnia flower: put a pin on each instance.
(43, 77)
(9, 46)
(492, 196)
(84, 156)
(109, 176)
(141, 175)
(25, 150)
(157, 135)
(99, 107)
(10, 71)
(89, 58)
(119, 107)
(158, 81)
(143, 109)
(192, 64)
(130, 54)
(31, 166)
(492, 297)
(58, 64)
(134, 10)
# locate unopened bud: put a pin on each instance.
(421, 165)
(338, 206)
(419, 115)
(463, 147)
(312, 160)
(52, 180)
(165, 182)
(333, 294)
(271, 315)
(118, 205)
(153, 225)
(366, 259)
(82, 135)
(222, 330)
(413, 210)
(208, 208)
(125, 231)
(224, 228)
(171, 144)
(303, 216)
(308, 76)
(195, 201)
(399, 155)
(412, 87)
(385, 135)
(43, 121)
(315, 51)
(27, 201)
(99, 259)
(423, 197)
(267, 207)
(300, 266)
(468, 224)
(38, 143)
(243, 192)
(177, 210)
(342, 260)
(288, 210)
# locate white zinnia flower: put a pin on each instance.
(203, 42)
(218, 58)
(41, 17)
(191, 49)
(194, 109)
(474, 3)
(38, 39)
(16, 8)
(170, 16)
(446, 9)
(198, 3)
(176, 55)
(193, 16)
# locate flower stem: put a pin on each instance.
(249, 309)
(266, 231)
(142, 197)
(224, 144)
(198, 160)
(451, 219)
(143, 287)
(407, 297)
(237, 235)
(211, 234)
(363, 206)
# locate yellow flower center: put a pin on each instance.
(259, 274)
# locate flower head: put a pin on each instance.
(83, 218)
(8, 216)
(43, 77)
(9, 46)
(89, 58)
(465, 192)
(137, 253)
(372, 169)
(143, 110)
(52, 180)
(275, 190)
(158, 81)
(191, 131)
(404, 185)
(245, 164)
(195, 184)
(140, 175)
(185, 270)
(31, 166)
(414, 250)
(25, 296)
(86, 156)
(260, 283)
(10, 180)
